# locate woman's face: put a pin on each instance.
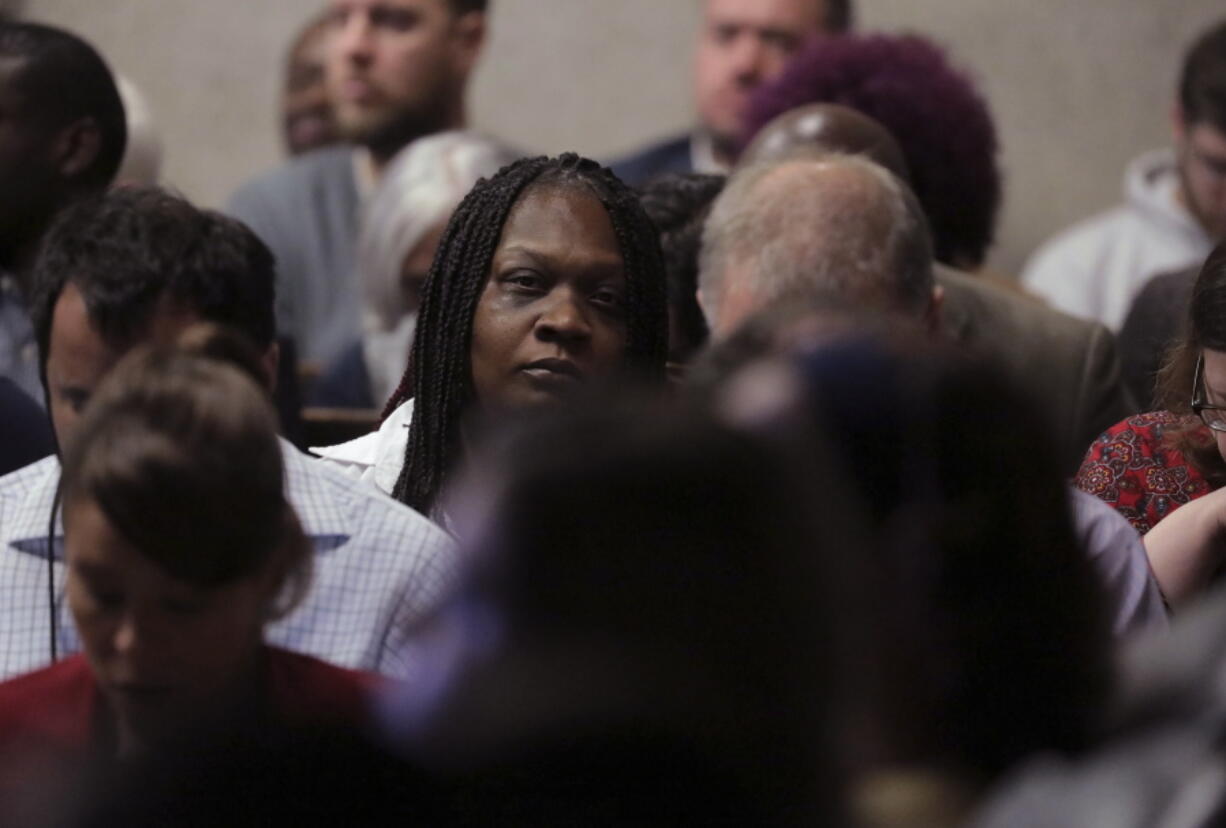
(552, 313)
(1214, 380)
(163, 651)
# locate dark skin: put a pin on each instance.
(25, 173)
(552, 313)
(42, 167)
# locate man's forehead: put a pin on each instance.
(770, 14)
(161, 325)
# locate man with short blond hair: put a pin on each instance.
(741, 45)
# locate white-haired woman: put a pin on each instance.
(401, 228)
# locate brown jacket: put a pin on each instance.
(1068, 365)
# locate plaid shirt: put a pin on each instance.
(379, 567)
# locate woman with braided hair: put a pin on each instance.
(549, 275)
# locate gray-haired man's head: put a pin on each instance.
(837, 228)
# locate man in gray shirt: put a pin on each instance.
(396, 70)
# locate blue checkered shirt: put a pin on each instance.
(379, 567)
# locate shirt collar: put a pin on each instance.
(28, 530)
(378, 456)
(319, 504)
(702, 154)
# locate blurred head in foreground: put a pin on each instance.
(645, 610)
(176, 554)
(993, 641)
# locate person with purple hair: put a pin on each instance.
(934, 111)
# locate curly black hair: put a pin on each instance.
(127, 249)
(439, 375)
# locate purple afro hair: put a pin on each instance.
(934, 112)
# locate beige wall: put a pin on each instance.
(1077, 88)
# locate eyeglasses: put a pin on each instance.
(1213, 416)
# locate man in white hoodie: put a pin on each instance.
(1175, 207)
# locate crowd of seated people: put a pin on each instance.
(720, 485)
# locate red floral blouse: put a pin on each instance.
(1132, 467)
(1139, 472)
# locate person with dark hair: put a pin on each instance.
(1165, 470)
(176, 558)
(935, 113)
(1134, 600)
(995, 640)
(548, 276)
(1069, 366)
(307, 120)
(1174, 210)
(395, 70)
(666, 597)
(135, 266)
(742, 44)
(678, 204)
(64, 136)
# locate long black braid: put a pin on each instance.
(439, 376)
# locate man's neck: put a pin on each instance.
(380, 156)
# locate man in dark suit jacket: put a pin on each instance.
(742, 44)
(1067, 365)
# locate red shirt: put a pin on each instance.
(1133, 467)
(51, 716)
